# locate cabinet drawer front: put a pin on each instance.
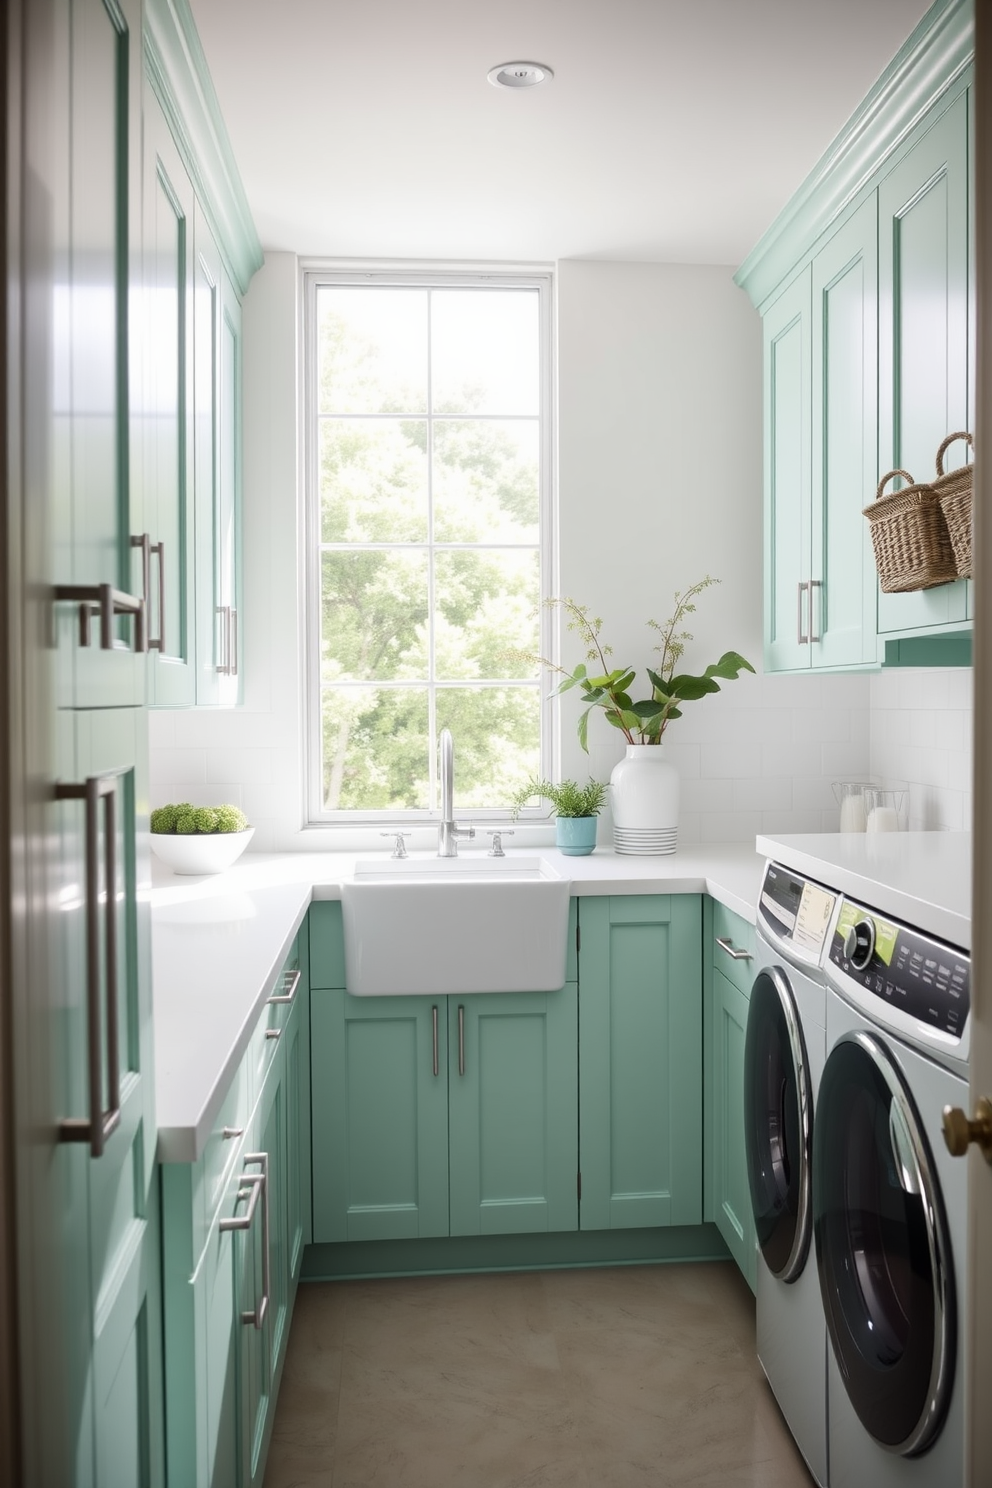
(214, 1169)
(271, 1026)
(737, 936)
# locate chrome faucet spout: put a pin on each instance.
(448, 832)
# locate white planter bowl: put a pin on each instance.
(209, 852)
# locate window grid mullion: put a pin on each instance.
(431, 632)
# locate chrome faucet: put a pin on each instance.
(447, 832)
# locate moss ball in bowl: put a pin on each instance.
(199, 839)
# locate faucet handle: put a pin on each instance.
(497, 834)
(399, 846)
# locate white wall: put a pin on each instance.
(921, 734)
(660, 483)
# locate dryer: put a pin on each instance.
(784, 1053)
(890, 1203)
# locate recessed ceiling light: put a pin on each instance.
(519, 74)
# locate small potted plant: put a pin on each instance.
(576, 808)
(199, 839)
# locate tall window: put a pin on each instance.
(429, 461)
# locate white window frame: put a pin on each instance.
(314, 275)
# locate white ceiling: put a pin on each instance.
(674, 130)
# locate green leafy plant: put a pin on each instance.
(567, 797)
(184, 820)
(643, 721)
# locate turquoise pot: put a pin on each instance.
(576, 835)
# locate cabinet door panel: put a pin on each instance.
(640, 1051)
(168, 393)
(92, 438)
(380, 1117)
(923, 329)
(845, 383)
(787, 369)
(513, 1101)
(217, 378)
(730, 1196)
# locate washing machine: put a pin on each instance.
(784, 1052)
(890, 1203)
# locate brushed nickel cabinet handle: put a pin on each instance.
(461, 1039)
(230, 1132)
(434, 1030)
(224, 665)
(106, 601)
(273, 1033)
(233, 642)
(726, 944)
(803, 639)
(158, 644)
(100, 1124)
(144, 542)
(290, 982)
(815, 584)
(253, 1185)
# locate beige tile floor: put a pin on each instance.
(631, 1377)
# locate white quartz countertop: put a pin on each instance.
(921, 878)
(218, 944)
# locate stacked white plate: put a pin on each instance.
(646, 841)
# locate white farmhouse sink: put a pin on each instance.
(454, 925)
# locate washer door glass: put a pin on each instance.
(881, 1248)
(778, 1112)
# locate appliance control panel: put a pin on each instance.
(796, 911)
(925, 979)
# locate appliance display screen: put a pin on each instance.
(796, 909)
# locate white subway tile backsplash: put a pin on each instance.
(921, 734)
(707, 795)
(250, 766)
(763, 793)
(186, 766)
(730, 760)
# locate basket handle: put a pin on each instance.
(961, 434)
(886, 478)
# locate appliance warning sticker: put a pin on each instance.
(815, 908)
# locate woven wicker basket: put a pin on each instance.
(910, 538)
(954, 491)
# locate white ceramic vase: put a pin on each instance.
(644, 797)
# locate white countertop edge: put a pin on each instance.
(179, 1140)
(921, 878)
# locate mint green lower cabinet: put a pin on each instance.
(640, 1061)
(513, 1098)
(380, 1115)
(222, 1371)
(728, 1196)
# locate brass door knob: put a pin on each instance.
(959, 1132)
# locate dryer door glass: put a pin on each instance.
(881, 1247)
(778, 1111)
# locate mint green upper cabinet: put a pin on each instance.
(925, 388)
(164, 547)
(217, 441)
(640, 1061)
(820, 340)
(380, 1116)
(844, 444)
(513, 1098)
(787, 330)
(97, 228)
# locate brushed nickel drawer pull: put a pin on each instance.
(726, 944)
(434, 1029)
(105, 601)
(290, 982)
(461, 1039)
